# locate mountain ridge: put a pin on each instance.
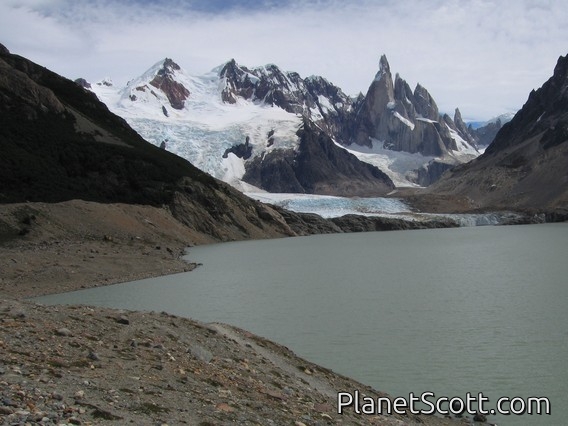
(526, 166)
(248, 90)
(59, 143)
(318, 167)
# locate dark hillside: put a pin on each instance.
(59, 142)
(526, 166)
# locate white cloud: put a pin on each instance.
(483, 56)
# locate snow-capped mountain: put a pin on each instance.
(263, 128)
(503, 118)
(198, 125)
(313, 97)
(407, 121)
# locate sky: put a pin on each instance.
(483, 56)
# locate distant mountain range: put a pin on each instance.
(59, 142)
(256, 128)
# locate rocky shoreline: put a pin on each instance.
(81, 365)
(77, 365)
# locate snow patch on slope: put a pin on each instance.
(396, 164)
(404, 120)
(324, 103)
(465, 152)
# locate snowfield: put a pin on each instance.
(396, 164)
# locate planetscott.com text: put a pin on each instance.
(427, 403)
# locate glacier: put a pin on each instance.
(328, 206)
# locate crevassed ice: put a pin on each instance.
(330, 206)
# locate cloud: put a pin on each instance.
(483, 56)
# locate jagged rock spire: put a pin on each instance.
(425, 104)
(402, 119)
(462, 128)
(384, 68)
(546, 110)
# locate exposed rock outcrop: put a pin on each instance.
(83, 83)
(176, 92)
(433, 170)
(486, 134)
(319, 166)
(242, 150)
(463, 130)
(21, 97)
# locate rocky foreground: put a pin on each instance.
(77, 365)
(81, 365)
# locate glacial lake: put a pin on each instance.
(451, 311)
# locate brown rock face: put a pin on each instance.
(237, 83)
(176, 92)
